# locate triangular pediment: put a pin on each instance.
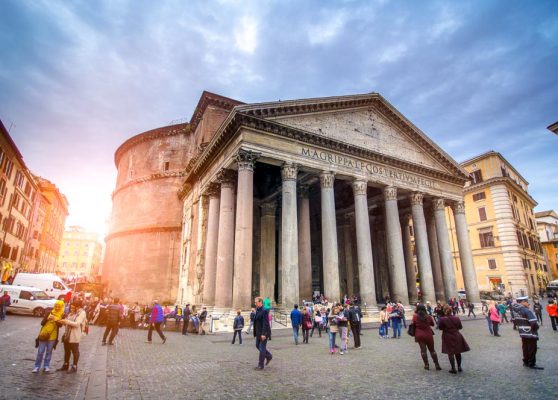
(366, 121)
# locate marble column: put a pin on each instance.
(437, 275)
(444, 248)
(243, 252)
(267, 249)
(422, 249)
(395, 247)
(348, 252)
(289, 237)
(329, 238)
(225, 241)
(465, 253)
(409, 262)
(364, 244)
(213, 191)
(304, 244)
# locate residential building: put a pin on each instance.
(547, 226)
(80, 254)
(506, 249)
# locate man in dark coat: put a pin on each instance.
(186, 318)
(113, 318)
(262, 331)
(354, 317)
(528, 329)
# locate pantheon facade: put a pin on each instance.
(337, 195)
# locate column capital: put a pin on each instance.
(438, 204)
(246, 159)
(326, 179)
(227, 178)
(268, 209)
(303, 191)
(213, 189)
(359, 187)
(458, 207)
(390, 193)
(289, 171)
(416, 198)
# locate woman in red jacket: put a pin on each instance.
(453, 343)
(424, 336)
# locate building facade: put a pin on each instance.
(547, 226)
(287, 198)
(507, 252)
(80, 254)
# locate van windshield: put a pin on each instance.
(40, 295)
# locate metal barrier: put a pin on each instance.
(281, 317)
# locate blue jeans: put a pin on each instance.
(332, 340)
(261, 345)
(385, 328)
(295, 333)
(396, 324)
(46, 345)
(489, 325)
(2, 313)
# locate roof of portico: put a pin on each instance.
(260, 116)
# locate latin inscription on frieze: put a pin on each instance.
(373, 170)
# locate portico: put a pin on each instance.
(302, 166)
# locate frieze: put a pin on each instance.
(289, 172)
(360, 187)
(326, 180)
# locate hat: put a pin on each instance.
(522, 298)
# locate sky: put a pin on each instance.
(78, 78)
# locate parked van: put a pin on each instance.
(51, 284)
(27, 300)
(552, 287)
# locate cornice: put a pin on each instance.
(499, 179)
(148, 178)
(147, 136)
(137, 231)
(238, 120)
(207, 99)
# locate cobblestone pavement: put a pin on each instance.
(209, 367)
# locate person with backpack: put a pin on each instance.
(238, 325)
(317, 322)
(114, 316)
(354, 317)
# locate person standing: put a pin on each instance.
(74, 324)
(552, 310)
(494, 318)
(306, 324)
(296, 320)
(528, 329)
(252, 316)
(5, 302)
(113, 322)
(537, 309)
(354, 317)
(155, 321)
(48, 336)
(486, 314)
(262, 330)
(333, 329)
(471, 308)
(343, 326)
(453, 343)
(186, 319)
(203, 317)
(133, 315)
(238, 325)
(384, 323)
(502, 308)
(402, 311)
(395, 318)
(317, 322)
(424, 336)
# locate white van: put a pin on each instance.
(51, 284)
(27, 300)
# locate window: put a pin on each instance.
(486, 239)
(555, 245)
(479, 196)
(492, 263)
(476, 176)
(82, 265)
(64, 265)
(8, 166)
(74, 265)
(519, 238)
(504, 172)
(482, 214)
(18, 179)
(25, 295)
(58, 285)
(525, 265)
(167, 165)
(15, 250)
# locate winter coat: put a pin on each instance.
(238, 323)
(452, 340)
(423, 330)
(157, 314)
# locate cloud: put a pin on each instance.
(246, 34)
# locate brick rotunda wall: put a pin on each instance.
(143, 244)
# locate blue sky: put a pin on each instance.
(77, 78)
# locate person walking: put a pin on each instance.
(296, 320)
(238, 325)
(552, 310)
(317, 322)
(74, 325)
(537, 309)
(471, 308)
(252, 316)
(333, 329)
(453, 343)
(494, 318)
(5, 302)
(306, 324)
(528, 329)
(354, 318)
(186, 318)
(486, 314)
(502, 309)
(262, 330)
(114, 317)
(133, 313)
(155, 321)
(424, 336)
(203, 317)
(48, 337)
(343, 325)
(402, 311)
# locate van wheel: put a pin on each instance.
(38, 312)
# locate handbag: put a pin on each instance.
(411, 329)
